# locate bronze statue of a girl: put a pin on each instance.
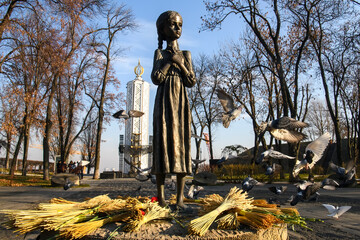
(172, 73)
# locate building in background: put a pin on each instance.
(136, 137)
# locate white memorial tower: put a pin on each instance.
(136, 129)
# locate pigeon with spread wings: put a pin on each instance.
(337, 211)
(283, 129)
(132, 113)
(231, 111)
(307, 189)
(344, 176)
(272, 154)
(142, 176)
(313, 153)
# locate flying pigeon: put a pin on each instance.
(138, 150)
(194, 191)
(131, 113)
(68, 184)
(278, 189)
(345, 176)
(198, 137)
(328, 182)
(196, 163)
(283, 129)
(271, 153)
(142, 175)
(307, 189)
(249, 183)
(313, 153)
(225, 158)
(337, 169)
(231, 111)
(336, 212)
(305, 194)
(349, 177)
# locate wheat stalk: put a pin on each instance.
(154, 212)
(236, 200)
(79, 230)
(228, 221)
(257, 220)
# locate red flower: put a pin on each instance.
(142, 212)
(154, 199)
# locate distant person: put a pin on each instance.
(79, 170)
(71, 167)
(61, 167)
(58, 167)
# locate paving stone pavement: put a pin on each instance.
(346, 227)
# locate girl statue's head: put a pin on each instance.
(162, 24)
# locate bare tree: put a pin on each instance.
(198, 122)
(88, 141)
(118, 20)
(209, 109)
(320, 119)
(280, 46)
(320, 22)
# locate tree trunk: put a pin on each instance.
(97, 146)
(100, 121)
(210, 143)
(16, 153)
(26, 149)
(46, 139)
(7, 158)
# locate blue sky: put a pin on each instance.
(141, 44)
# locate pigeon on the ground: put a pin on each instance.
(313, 153)
(271, 169)
(337, 211)
(231, 111)
(132, 113)
(249, 183)
(278, 189)
(274, 201)
(171, 186)
(283, 129)
(68, 184)
(194, 191)
(271, 154)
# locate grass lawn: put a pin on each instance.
(19, 181)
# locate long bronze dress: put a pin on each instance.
(172, 116)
